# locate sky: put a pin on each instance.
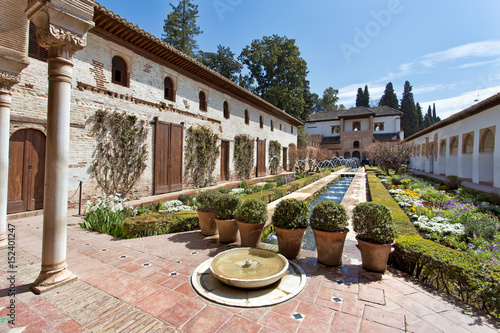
(448, 50)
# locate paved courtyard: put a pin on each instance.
(142, 285)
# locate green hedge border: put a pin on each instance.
(447, 270)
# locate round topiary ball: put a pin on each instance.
(252, 211)
(373, 223)
(205, 200)
(291, 214)
(329, 216)
(225, 206)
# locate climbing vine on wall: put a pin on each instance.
(121, 152)
(274, 156)
(243, 155)
(292, 155)
(202, 151)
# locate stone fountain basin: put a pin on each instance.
(248, 267)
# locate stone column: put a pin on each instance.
(7, 80)
(62, 30)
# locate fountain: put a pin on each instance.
(248, 267)
(248, 277)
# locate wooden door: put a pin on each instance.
(224, 160)
(261, 158)
(26, 171)
(168, 157)
(285, 159)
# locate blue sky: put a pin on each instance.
(448, 50)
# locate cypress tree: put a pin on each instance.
(366, 97)
(427, 121)
(434, 118)
(409, 119)
(420, 117)
(389, 97)
(360, 97)
(429, 115)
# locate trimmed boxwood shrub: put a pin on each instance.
(206, 200)
(252, 211)
(225, 206)
(329, 216)
(447, 270)
(373, 223)
(291, 214)
(159, 224)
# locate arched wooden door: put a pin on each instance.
(26, 171)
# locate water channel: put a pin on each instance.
(334, 192)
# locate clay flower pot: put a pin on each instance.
(228, 230)
(289, 241)
(374, 256)
(250, 233)
(330, 246)
(207, 223)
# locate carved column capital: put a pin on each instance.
(52, 35)
(7, 80)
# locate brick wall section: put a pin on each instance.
(144, 98)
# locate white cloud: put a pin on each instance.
(483, 49)
(479, 63)
(448, 106)
(433, 87)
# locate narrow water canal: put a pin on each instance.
(335, 192)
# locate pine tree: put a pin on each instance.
(180, 27)
(389, 97)
(360, 97)
(420, 117)
(366, 97)
(409, 119)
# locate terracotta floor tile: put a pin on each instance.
(328, 304)
(370, 327)
(353, 307)
(129, 267)
(182, 311)
(344, 323)
(50, 313)
(279, 322)
(384, 317)
(136, 295)
(253, 314)
(310, 325)
(186, 289)
(173, 282)
(71, 326)
(286, 309)
(208, 320)
(308, 296)
(372, 295)
(240, 325)
(314, 310)
(157, 277)
(159, 302)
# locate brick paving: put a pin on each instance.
(142, 285)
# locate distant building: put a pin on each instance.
(347, 132)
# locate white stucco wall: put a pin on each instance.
(479, 167)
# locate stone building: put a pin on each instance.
(347, 132)
(123, 68)
(462, 145)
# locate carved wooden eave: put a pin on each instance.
(110, 23)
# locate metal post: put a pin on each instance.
(80, 199)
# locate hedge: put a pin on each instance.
(278, 192)
(448, 270)
(160, 223)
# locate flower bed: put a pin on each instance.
(459, 272)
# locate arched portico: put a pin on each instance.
(486, 151)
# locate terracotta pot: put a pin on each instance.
(207, 223)
(374, 256)
(250, 233)
(330, 246)
(228, 230)
(289, 241)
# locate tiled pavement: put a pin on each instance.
(142, 285)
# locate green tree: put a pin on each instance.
(280, 74)
(389, 97)
(420, 117)
(360, 98)
(366, 96)
(180, 27)
(222, 62)
(409, 119)
(328, 102)
(434, 117)
(429, 115)
(427, 121)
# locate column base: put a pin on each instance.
(50, 280)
